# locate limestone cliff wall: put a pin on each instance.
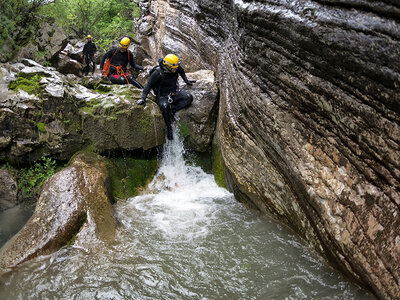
(309, 115)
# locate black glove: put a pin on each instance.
(140, 68)
(141, 102)
(190, 82)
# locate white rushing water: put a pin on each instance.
(185, 238)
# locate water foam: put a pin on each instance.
(181, 195)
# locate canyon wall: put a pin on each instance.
(308, 123)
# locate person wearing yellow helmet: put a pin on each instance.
(88, 53)
(163, 81)
(114, 64)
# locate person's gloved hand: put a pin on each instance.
(140, 68)
(141, 102)
(190, 82)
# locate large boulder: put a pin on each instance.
(49, 41)
(73, 199)
(198, 121)
(50, 114)
(309, 116)
(69, 61)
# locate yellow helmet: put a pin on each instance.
(125, 42)
(172, 61)
(89, 36)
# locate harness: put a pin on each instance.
(171, 94)
(119, 69)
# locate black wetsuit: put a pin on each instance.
(88, 51)
(122, 59)
(169, 98)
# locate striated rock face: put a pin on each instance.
(309, 116)
(74, 198)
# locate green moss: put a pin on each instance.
(102, 88)
(146, 122)
(28, 83)
(89, 150)
(131, 94)
(129, 175)
(218, 166)
(183, 130)
(40, 126)
(200, 159)
(91, 107)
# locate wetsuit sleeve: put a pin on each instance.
(181, 72)
(154, 79)
(85, 49)
(94, 48)
(132, 62)
(105, 56)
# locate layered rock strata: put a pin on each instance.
(309, 116)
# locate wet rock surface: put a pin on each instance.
(200, 117)
(74, 198)
(308, 118)
(62, 113)
(8, 190)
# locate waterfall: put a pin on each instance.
(184, 237)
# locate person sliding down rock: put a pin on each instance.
(164, 82)
(117, 62)
(88, 53)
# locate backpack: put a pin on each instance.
(158, 70)
(161, 73)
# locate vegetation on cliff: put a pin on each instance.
(18, 21)
(104, 20)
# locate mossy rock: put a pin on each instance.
(28, 83)
(218, 166)
(200, 159)
(129, 175)
(183, 130)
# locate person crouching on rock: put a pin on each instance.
(164, 82)
(88, 54)
(117, 62)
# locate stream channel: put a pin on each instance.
(185, 238)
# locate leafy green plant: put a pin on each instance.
(105, 20)
(41, 127)
(30, 180)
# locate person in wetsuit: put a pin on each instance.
(89, 52)
(164, 82)
(118, 59)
